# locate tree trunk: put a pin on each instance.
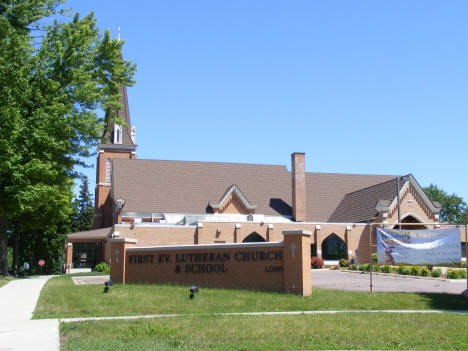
(16, 248)
(3, 245)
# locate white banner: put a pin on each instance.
(418, 247)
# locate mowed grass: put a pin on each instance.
(299, 332)
(60, 297)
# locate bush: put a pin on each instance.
(375, 268)
(436, 273)
(415, 270)
(386, 269)
(452, 274)
(364, 267)
(424, 272)
(352, 267)
(374, 257)
(102, 267)
(400, 269)
(456, 274)
(343, 263)
(406, 271)
(316, 262)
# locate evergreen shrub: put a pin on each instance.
(102, 267)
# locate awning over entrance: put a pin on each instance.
(102, 233)
(86, 249)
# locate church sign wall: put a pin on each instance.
(280, 266)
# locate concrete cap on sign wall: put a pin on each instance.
(297, 231)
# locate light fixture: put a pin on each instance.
(193, 290)
(120, 202)
(107, 283)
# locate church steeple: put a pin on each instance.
(115, 134)
(118, 141)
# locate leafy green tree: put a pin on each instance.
(54, 78)
(453, 206)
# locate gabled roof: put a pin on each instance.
(123, 113)
(189, 187)
(360, 205)
(233, 190)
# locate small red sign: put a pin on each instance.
(41, 263)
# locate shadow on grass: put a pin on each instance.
(446, 301)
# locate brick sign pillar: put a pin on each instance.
(68, 257)
(296, 259)
(118, 258)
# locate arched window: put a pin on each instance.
(333, 248)
(254, 237)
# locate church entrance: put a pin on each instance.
(333, 248)
(86, 255)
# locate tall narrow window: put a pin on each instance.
(108, 171)
(117, 134)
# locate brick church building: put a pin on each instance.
(162, 203)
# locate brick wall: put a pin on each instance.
(253, 266)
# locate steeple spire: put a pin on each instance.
(115, 134)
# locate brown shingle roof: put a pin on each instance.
(325, 192)
(360, 205)
(91, 234)
(188, 187)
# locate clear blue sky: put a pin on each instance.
(360, 86)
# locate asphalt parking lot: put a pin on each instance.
(323, 278)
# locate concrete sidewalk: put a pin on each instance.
(17, 331)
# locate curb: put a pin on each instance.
(407, 276)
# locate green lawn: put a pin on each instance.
(61, 298)
(341, 331)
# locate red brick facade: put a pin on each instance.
(252, 266)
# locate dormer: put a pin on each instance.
(233, 201)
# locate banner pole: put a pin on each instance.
(398, 201)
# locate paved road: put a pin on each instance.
(17, 331)
(381, 283)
